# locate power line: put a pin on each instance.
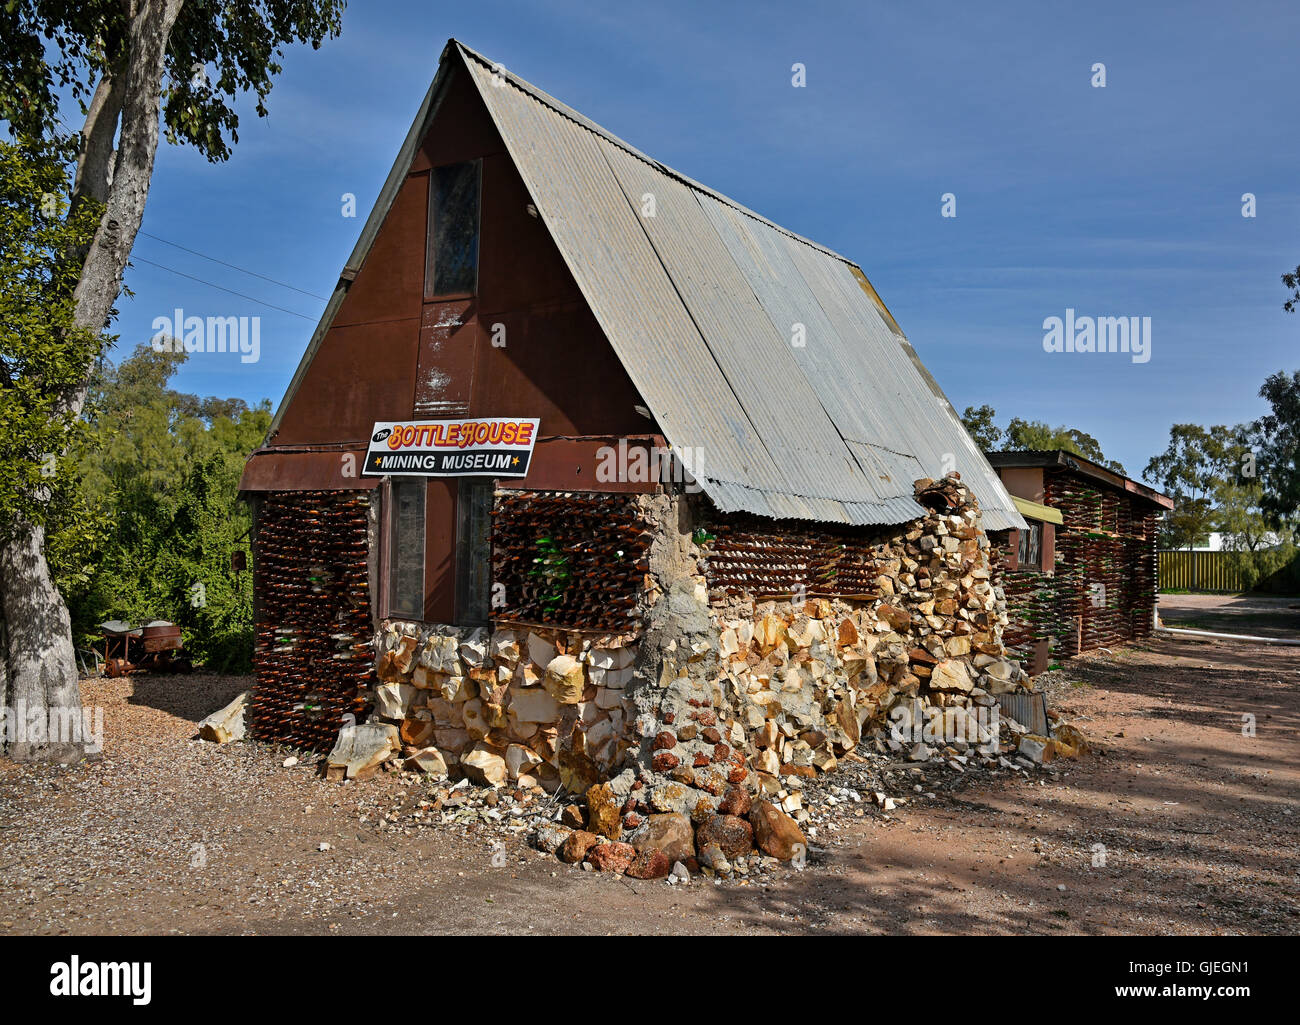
(242, 270)
(223, 288)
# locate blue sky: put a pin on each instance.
(1116, 201)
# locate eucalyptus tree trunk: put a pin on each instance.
(43, 706)
(42, 663)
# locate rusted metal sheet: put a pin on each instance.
(273, 470)
(390, 284)
(575, 464)
(553, 362)
(444, 378)
(512, 239)
(1028, 710)
(462, 132)
(529, 341)
(363, 367)
(360, 294)
(440, 551)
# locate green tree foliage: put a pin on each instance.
(1277, 437)
(979, 424)
(1033, 436)
(126, 65)
(1038, 436)
(1190, 470)
(164, 467)
(1292, 281)
(216, 53)
(1215, 476)
(42, 358)
(42, 355)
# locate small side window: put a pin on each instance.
(1031, 546)
(406, 549)
(451, 261)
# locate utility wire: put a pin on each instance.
(223, 288)
(242, 270)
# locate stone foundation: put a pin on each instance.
(723, 691)
(539, 707)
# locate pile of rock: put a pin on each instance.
(768, 693)
(523, 707)
(617, 831)
(807, 678)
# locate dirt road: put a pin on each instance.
(1179, 824)
(1257, 615)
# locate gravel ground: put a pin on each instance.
(1198, 827)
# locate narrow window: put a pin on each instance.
(1031, 546)
(474, 550)
(451, 262)
(406, 549)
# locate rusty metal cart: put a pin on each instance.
(154, 646)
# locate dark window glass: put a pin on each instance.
(1031, 546)
(451, 267)
(474, 550)
(406, 549)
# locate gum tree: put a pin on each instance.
(42, 358)
(135, 69)
(1197, 469)
(1033, 435)
(979, 424)
(1277, 438)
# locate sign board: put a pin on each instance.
(494, 447)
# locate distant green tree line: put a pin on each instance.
(1241, 481)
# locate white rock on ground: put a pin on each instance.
(226, 725)
(360, 750)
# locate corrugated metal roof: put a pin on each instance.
(700, 303)
(703, 303)
(1035, 511)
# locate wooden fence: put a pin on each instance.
(1199, 571)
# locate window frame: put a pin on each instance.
(393, 542)
(474, 564)
(1045, 557)
(431, 294)
(1029, 555)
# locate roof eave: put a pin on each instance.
(1074, 461)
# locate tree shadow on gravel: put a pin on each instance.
(192, 696)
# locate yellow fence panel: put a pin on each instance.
(1199, 571)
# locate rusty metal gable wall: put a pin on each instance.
(363, 369)
(370, 362)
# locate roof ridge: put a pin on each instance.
(580, 119)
